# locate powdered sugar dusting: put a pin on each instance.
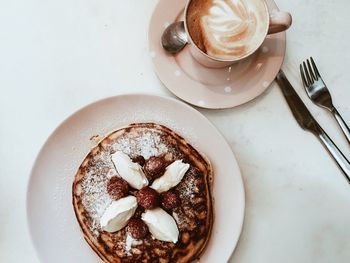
(182, 221)
(94, 186)
(188, 188)
(96, 199)
(129, 243)
(190, 195)
(149, 114)
(147, 145)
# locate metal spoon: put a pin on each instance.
(174, 37)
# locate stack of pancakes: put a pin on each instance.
(194, 215)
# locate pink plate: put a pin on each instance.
(212, 88)
(53, 227)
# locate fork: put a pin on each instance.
(318, 92)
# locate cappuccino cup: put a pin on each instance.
(223, 32)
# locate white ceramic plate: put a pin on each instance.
(54, 229)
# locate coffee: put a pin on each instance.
(227, 29)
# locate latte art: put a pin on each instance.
(228, 28)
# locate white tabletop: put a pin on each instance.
(57, 56)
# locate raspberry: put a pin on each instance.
(169, 200)
(137, 228)
(117, 187)
(148, 198)
(139, 159)
(155, 167)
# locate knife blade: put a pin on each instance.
(298, 108)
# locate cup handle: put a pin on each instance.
(279, 21)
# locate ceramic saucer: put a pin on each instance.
(212, 88)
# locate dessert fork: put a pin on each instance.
(318, 92)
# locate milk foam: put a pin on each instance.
(233, 28)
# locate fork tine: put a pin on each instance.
(312, 74)
(303, 76)
(307, 74)
(315, 68)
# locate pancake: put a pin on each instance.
(193, 215)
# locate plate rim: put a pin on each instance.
(111, 98)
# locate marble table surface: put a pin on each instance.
(57, 56)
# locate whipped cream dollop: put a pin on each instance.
(172, 176)
(231, 27)
(161, 225)
(118, 214)
(129, 171)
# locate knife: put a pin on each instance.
(307, 122)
